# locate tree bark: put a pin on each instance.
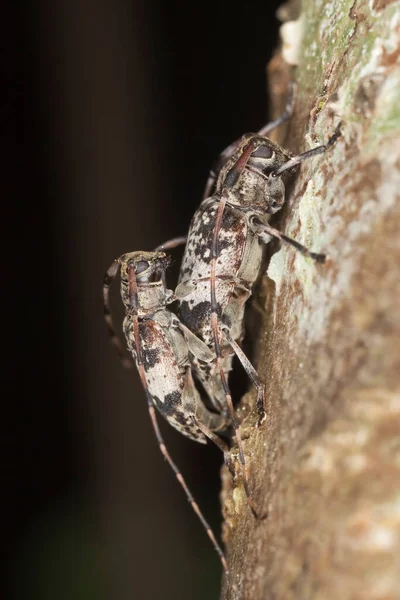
(326, 464)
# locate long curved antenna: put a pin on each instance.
(231, 149)
(112, 271)
(285, 116)
(293, 162)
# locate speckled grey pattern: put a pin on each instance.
(251, 195)
(164, 348)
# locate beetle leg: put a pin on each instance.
(209, 423)
(228, 400)
(173, 243)
(218, 442)
(265, 232)
(195, 345)
(252, 373)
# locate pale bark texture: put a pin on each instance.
(326, 464)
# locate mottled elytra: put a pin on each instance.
(162, 348)
(223, 257)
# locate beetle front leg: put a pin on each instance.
(265, 232)
(228, 400)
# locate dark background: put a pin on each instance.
(111, 116)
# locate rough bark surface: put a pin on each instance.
(326, 464)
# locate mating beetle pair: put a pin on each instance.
(221, 262)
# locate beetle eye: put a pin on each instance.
(262, 152)
(141, 266)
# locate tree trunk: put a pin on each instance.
(325, 466)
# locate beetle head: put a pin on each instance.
(248, 177)
(143, 279)
(148, 267)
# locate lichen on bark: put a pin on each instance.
(326, 464)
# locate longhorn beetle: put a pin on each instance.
(223, 256)
(161, 346)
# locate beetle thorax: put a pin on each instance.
(151, 297)
(258, 191)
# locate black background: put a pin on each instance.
(111, 116)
